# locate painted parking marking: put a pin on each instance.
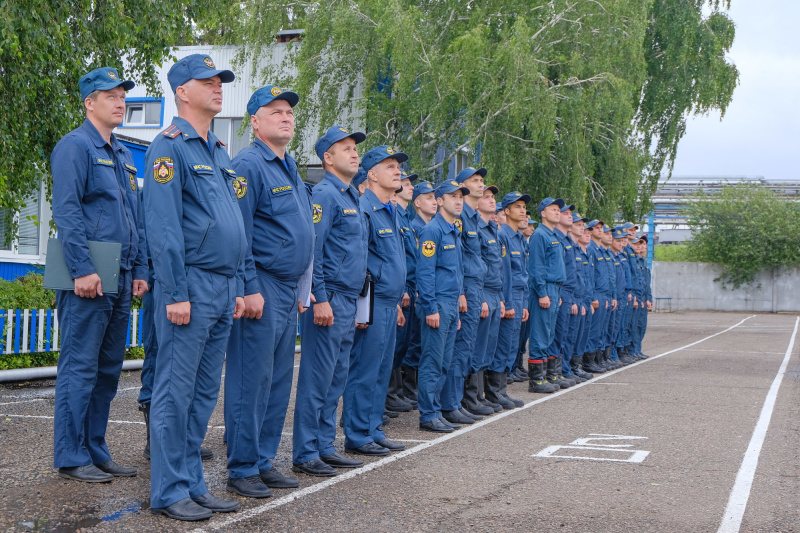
(597, 442)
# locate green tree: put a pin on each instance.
(580, 98)
(746, 228)
(45, 46)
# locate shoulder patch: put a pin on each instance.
(163, 169)
(428, 248)
(316, 211)
(171, 132)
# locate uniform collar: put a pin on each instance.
(445, 225)
(547, 231)
(188, 131)
(97, 139)
(339, 184)
(468, 212)
(267, 152)
(508, 230)
(373, 202)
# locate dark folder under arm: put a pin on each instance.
(105, 256)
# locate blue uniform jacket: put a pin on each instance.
(190, 205)
(579, 293)
(588, 275)
(612, 273)
(633, 266)
(547, 260)
(646, 276)
(474, 267)
(410, 245)
(620, 268)
(276, 210)
(569, 288)
(95, 198)
(515, 265)
(492, 255)
(386, 258)
(601, 289)
(440, 274)
(340, 253)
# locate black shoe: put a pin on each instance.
(369, 448)
(385, 421)
(85, 473)
(455, 417)
(144, 408)
(437, 425)
(315, 467)
(509, 380)
(216, 505)
(340, 461)
(249, 487)
(275, 480)
(206, 454)
(451, 424)
(398, 406)
(390, 445)
(464, 411)
(516, 402)
(185, 509)
(391, 414)
(517, 376)
(496, 407)
(110, 467)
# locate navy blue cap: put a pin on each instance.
(629, 225)
(333, 136)
(620, 233)
(196, 67)
(267, 94)
(359, 178)
(606, 229)
(379, 153)
(102, 79)
(514, 196)
(594, 223)
(423, 187)
(576, 217)
(566, 206)
(549, 201)
(450, 186)
(469, 172)
(406, 176)
(499, 208)
(531, 222)
(492, 188)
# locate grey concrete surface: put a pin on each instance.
(697, 408)
(691, 287)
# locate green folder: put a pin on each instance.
(105, 256)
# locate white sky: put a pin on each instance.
(759, 134)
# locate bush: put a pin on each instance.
(672, 253)
(39, 359)
(26, 292)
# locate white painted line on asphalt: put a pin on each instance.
(296, 495)
(601, 383)
(737, 502)
(129, 388)
(23, 401)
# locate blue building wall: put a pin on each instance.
(11, 271)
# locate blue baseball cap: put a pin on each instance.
(492, 188)
(469, 172)
(196, 67)
(406, 176)
(333, 136)
(359, 178)
(606, 229)
(423, 187)
(102, 79)
(620, 233)
(549, 201)
(629, 225)
(450, 186)
(514, 196)
(379, 153)
(566, 206)
(531, 222)
(576, 217)
(594, 223)
(499, 208)
(265, 95)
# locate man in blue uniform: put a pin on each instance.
(515, 294)
(470, 302)
(635, 290)
(439, 284)
(581, 295)
(276, 210)
(647, 299)
(95, 198)
(546, 276)
(569, 310)
(518, 373)
(395, 401)
(373, 349)
(340, 267)
(607, 352)
(619, 260)
(198, 245)
(601, 297)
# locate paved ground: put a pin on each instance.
(678, 427)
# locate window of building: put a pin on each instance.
(26, 241)
(229, 131)
(143, 113)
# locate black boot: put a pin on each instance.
(496, 407)
(394, 395)
(536, 380)
(589, 363)
(145, 409)
(552, 374)
(494, 382)
(609, 362)
(560, 371)
(577, 364)
(470, 401)
(504, 393)
(409, 381)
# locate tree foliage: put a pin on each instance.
(746, 228)
(586, 99)
(45, 47)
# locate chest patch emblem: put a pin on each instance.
(316, 211)
(240, 187)
(428, 248)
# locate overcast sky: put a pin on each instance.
(760, 131)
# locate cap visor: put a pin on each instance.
(492, 188)
(128, 85)
(525, 198)
(290, 97)
(225, 76)
(357, 136)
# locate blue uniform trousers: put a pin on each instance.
(186, 387)
(149, 341)
(561, 344)
(543, 326)
(582, 333)
(573, 330)
(641, 328)
(402, 337)
(613, 327)
(597, 333)
(414, 325)
(453, 391)
(258, 379)
(93, 334)
(321, 380)
(508, 336)
(488, 329)
(437, 353)
(368, 377)
(524, 335)
(627, 328)
(625, 307)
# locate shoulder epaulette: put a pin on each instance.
(220, 142)
(171, 132)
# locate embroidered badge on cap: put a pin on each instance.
(317, 213)
(112, 75)
(240, 187)
(275, 91)
(454, 183)
(389, 150)
(343, 130)
(162, 169)
(208, 62)
(428, 185)
(428, 248)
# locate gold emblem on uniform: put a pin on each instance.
(133, 181)
(208, 62)
(428, 248)
(317, 213)
(504, 250)
(112, 75)
(163, 169)
(240, 187)
(459, 225)
(275, 91)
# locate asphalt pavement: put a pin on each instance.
(703, 436)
